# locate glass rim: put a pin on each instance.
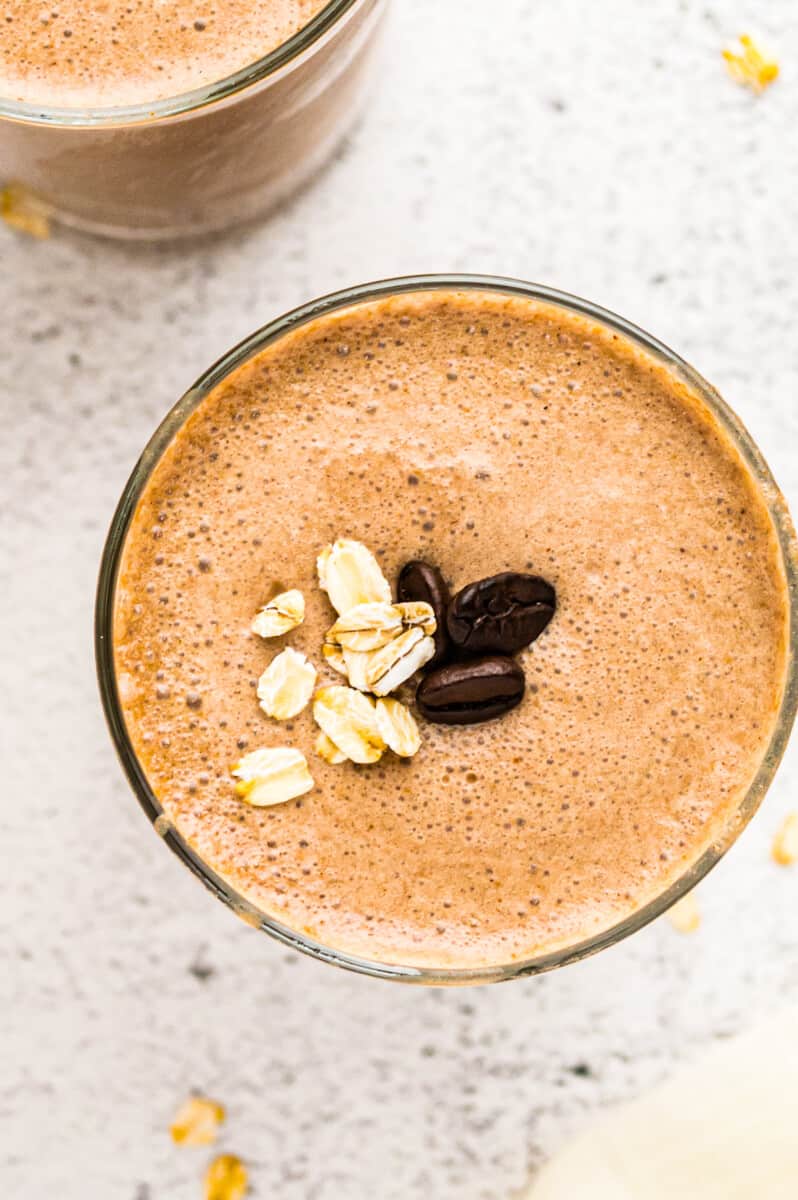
(93, 117)
(106, 588)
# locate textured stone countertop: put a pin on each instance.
(599, 148)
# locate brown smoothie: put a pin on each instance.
(190, 167)
(115, 53)
(483, 433)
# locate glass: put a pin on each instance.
(209, 158)
(105, 609)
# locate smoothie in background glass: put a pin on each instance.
(153, 120)
(484, 427)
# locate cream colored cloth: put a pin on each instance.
(725, 1129)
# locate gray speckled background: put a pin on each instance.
(600, 148)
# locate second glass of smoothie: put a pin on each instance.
(591, 717)
(164, 120)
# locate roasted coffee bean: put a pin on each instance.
(465, 693)
(419, 580)
(501, 614)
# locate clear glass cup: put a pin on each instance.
(749, 452)
(210, 158)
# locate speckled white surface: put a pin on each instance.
(600, 148)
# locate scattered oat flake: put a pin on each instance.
(350, 721)
(23, 212)
(392, 665)
(398, 728)
(272, 775)
(282, 614)
(749, 65)
(226, 1179)
(197, 1122)
(684, 915)
(366, 626)
(785, 843)
(287, 684)
(350, 575)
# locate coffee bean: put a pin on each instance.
(466, 693)
(501, 614)
(420, 580)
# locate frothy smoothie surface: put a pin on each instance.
(74, 54)
(483, 433)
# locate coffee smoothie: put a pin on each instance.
(89, 56)
(145, 140)
(451, 629)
